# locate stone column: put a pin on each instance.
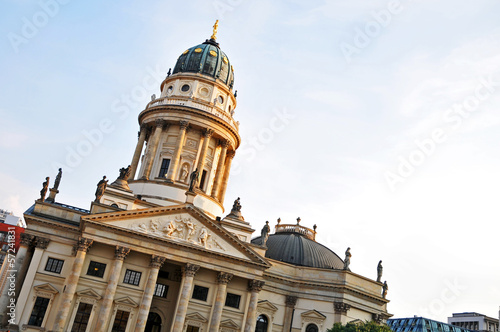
(225, 179)
(290, 302)
(155, 264)
(254, 286)
(176, 156)
(184, 295)
(155, 139)
(220, 169)
(81, 249)
(341, 310)
(41, 244)
(222, 280)
(138, 151)
(207, 133)
(109, 293)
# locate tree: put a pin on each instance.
(359, 327)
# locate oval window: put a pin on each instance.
(220, 99)
(185, 88)
(170, 89)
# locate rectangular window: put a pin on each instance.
(203, 178)
(192, 328)
(82, 317)
(120, 323)
(164, 168)
(54, 265)
(132, 277)
(200, 293)
(38, 312)
(233, 300)
(5, 247)
(161, 290)
(96, 269)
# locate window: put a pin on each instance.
(311, 328)
(132, 277)
(5, 247)
(203, 178)
(161, 290)
(164, 168)
(120, 323)
(192, 328)
(233, 300)
(200, 293)
(82, 317)
(153, 324)
(38, 312)
(185, 88)
(3, 236)
(96, 269)
(261, 325)
(54, 265)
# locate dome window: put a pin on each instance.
(185, 88)
(220, 99)
(169, 90)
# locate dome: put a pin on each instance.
(293, 245)
(206, 59)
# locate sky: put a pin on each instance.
(377, 121)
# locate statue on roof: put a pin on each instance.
(347, 260)
(45, 187)
(216, 25)
(379, 271)
(264, 234)
(101, 187)
(58, 179)
(236, 205)
(124, 173)
(384, 289)
(193, 180)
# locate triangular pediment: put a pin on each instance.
(266, 306)
(127, 301)
(196, 316)
(89, 293)
(46, 288)
(182, 224)
(229, 324)
(313, 314)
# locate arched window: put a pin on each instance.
(153, 324)
(311, 328)
(262, 323)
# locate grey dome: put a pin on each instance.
(295, 248)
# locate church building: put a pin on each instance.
(156, 251)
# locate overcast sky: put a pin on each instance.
(376, 120)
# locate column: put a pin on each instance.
(341, 310)
(207, 133)
(290, 302)
(138, 150)
(174, 162)
(220, 169)
(41, 244)
(184, 295)
(155, 264)
(109, 294)
(159, 123)
(222, 280)
(225, 179)
(254, 286)
(70, 284)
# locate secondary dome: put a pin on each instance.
(206, 59)
(295, 245)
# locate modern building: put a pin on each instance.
(9, 241)
(421, 324)
(7, 217)
(474, 321)
(156, 252)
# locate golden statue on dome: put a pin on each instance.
(216, 25)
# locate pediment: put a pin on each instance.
(313, 314)
(126, 301)
(184, 225)
(89, 293)
(229, 324)
(197, 317)
(266, 306)
(46, 288)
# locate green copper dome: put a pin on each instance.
(206, 59)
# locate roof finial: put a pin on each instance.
(216, 25)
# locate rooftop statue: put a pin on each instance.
(384, 289)
(216, 25)
(193, 180)
(58, 179)
(379, 271)
(124, 173)
(101, 187)
(347, 260)
(45, 186)
(236, 205)
(264, 234)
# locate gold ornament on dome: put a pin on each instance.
(224, 59)
(216, 25)
(198, 50)
(185, 52)
(232, 68)
(213, 53)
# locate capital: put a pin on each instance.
(224, 278)
(25, 239)
(160, 122)
(291, 301)
(208, 133)
(157, 261)
(183, 125)
(83, 244)
(121, 252)
(190, 270)
(377, 318)
(255, 285)
(231, 154)
(41, 242)
(341, 308)
(224, 143)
